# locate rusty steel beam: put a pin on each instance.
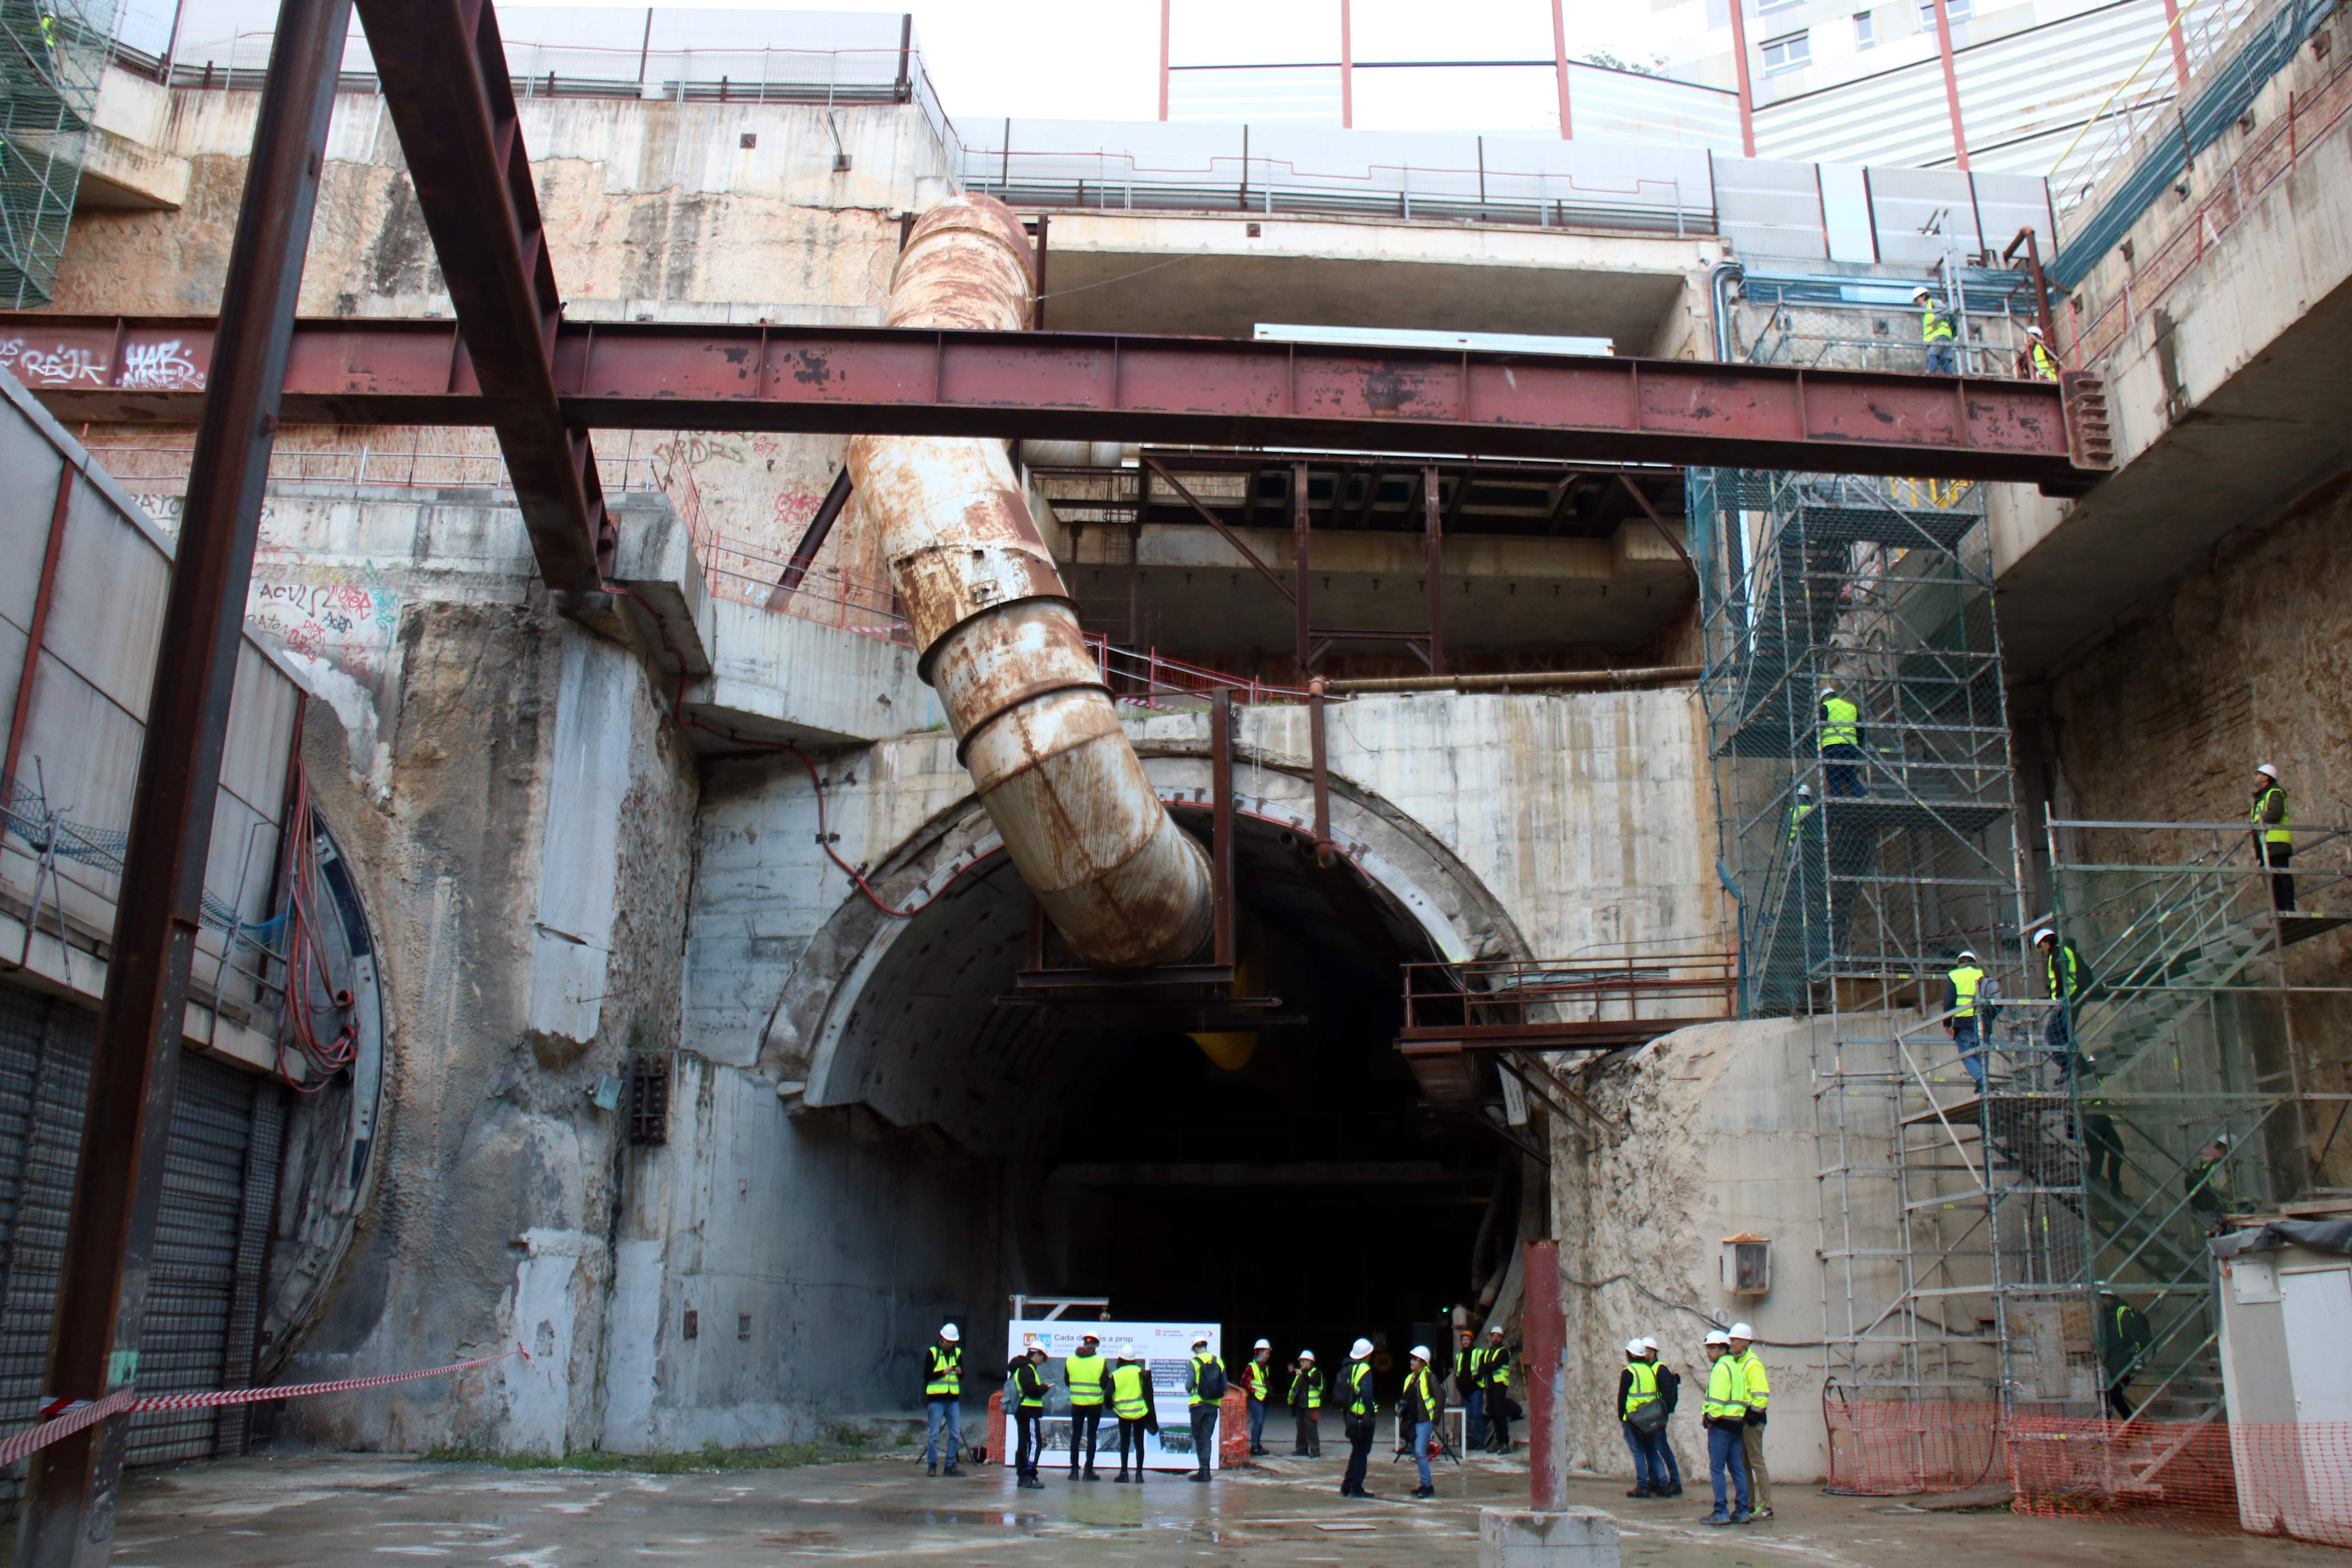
(1227, 535)
(444, 75)
(110, 1249)
(1543, 1338)
(1093, 387)
(828, 512)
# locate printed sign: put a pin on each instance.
(1165, 1350)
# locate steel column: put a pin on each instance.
(1559, 67)
(813, 539)
(1320, 763)
(135, 1066)
(1099, 387)
(1543, 1333)
(1747, 91)
(1952, 90)
(1221, 865)
(1300, 593)
(1347, 67)
(443, 68)
(1435, 529)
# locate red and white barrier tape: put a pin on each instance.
(129, 1399)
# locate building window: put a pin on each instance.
(1866, 33)
(1958, 10)
(1789, 51)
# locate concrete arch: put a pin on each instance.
(829, 1037)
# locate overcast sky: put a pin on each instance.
(1099, 59)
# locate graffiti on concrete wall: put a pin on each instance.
(342, 613)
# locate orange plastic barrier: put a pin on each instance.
(2263, 1478)
(1901, 1448)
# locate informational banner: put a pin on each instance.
(1165, 1350)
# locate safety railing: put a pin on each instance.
(1502, 998)
(2271, 154)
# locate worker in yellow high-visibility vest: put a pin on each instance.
(1962, 988)
(1131, 1401)
(1757, 1388)
(1935, 331)
(1727, 1424)
(1257, 1382)
(1840, 741)
(2041, 364)
(943, 1399)
(1086, 1375)
(2275, 828)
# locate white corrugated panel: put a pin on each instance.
(1922, 213)
(1308, 94)
(1897, 118)
(2035, 82)
(1623, 106)
(1770, 208)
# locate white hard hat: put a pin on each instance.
(2033, 331)
(1805, 790)
(1419, 1353)
(2267, 771)
(1717, 1337)
(1923, 293)
(948, 1333)
(1263, 1345)
(1742, 1332)
(1967, 953)
(2044, 935)
(1306, 1355)
(1360, 1349)
(1496, 1330)
(1828, 687)
(1127, 1351)
(1648, 1343)
(1633, 1347)
(1201, 1342)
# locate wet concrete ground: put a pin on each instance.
(381, 1512)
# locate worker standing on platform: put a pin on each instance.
(1935, 331)
(1960, 989)
(1357, 1404)
(1642, 1418)
(2275, 830)
(943, 1399)
(1758, 1391)
(1086, 1375)
(2208, 1182)
(1257, 1382)
(1494, 1378)
(1307, 1407)
(1466, 1389)
(1841, 741)
(2123, 1338)
(2041, 364)
(1417, 1414)
(1027, 1372)
(1727, 1424)
(1204, 1389)
(1670, 1393)
(2065, 974)
(1131, 1401)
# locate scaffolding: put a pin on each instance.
(1984, 1214)
(52, 54)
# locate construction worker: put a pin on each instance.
(943, 1399)
(1797, 813)
(2040, 364)
(1131, 1401)
(1357, 1404)
(2102, 1139)
(1727, 1424)
(2065, 974)
(1307, 1407)
(1840, 741)
(1086, 1375)
(1494, 1377)
(48, 29)
(1468, 1390)
(1961, 991)
(2275, 830)
(2207, 1180)
(1417, 1409)
(1935, 331)
(2123, 1338)
(1027, 1372)
(1205, 1394)
(1757, 1390)
(1257, 1382)
(1637, 1389)
(1670, 1393)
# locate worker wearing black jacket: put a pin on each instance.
(1417, 1408)
(1027, 1372)
(1670, 1392)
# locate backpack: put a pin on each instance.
(1648, 1417)
(1212, 1381)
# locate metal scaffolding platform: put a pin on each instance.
(52, 54)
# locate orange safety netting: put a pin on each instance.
(1899, 1447)
(2282, 1477)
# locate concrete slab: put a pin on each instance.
(1524, 1538)
(365, 1509)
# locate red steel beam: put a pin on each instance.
(1100, 387)
(444, 72)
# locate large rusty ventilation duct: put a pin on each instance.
(999, 639)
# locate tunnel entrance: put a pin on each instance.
(1286, 1181)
